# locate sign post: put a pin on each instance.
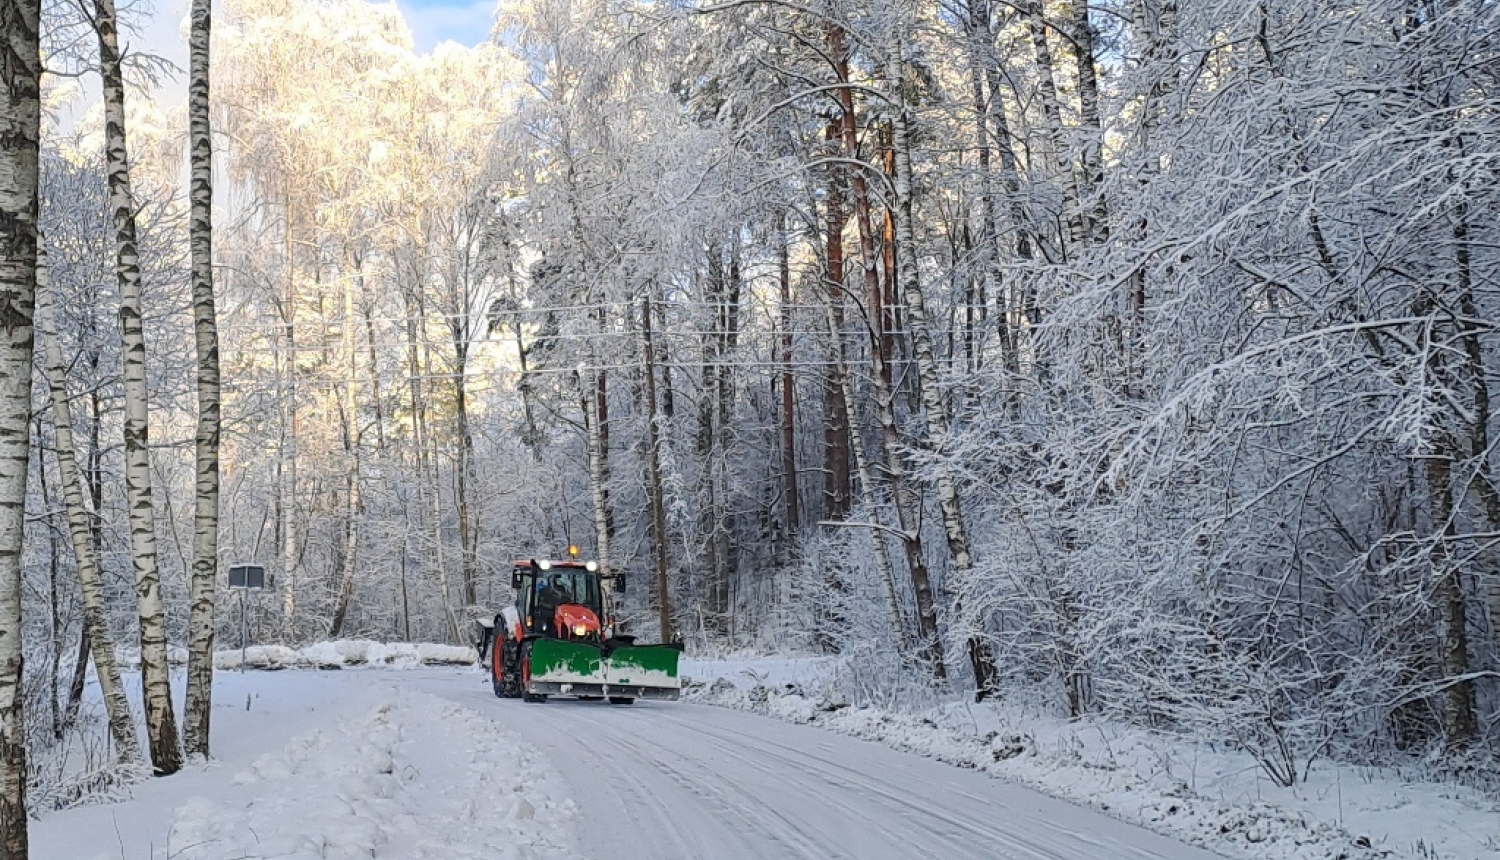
(246, 578)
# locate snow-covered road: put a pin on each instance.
(427, 764)
(681, 781)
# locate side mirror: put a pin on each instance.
(515, 579)
(619, 579)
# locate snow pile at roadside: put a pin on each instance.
(1213, 797)
(415, 778)
(347, 652)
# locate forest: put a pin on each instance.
(1129, 357)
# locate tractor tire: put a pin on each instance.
(525, 677)
(589, 698)
(621, 700)
(503, 676)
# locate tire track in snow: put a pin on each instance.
(965, 832)
(961, 837)
(683, 781)
(628, 754)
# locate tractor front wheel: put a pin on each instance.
(503, 676)
(536, 698)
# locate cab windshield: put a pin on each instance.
(564, 585)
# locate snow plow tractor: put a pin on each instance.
(559, 640)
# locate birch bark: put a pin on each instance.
(922, 353)
(161, 720)
(20, 134)
(867, 486)
(1056, 140)
(200, 669)
(95, 623)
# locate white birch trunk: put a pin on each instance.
(922, 354)
(1056, 140)
(921, 334)
(200, 668)
(867, 486)
(161, 721)
(20, 128)
(95, 624)
(352, 474)
(287, 455)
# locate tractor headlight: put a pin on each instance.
(544, 564)
(591, 566)
(580, 630)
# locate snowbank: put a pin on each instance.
(416, 778)
(1202, 793)
(347, 652)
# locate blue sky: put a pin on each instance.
(466, 22)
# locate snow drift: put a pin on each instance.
(347, 652)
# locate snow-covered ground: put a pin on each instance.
(1207, 794)
(413, 777)
(426, 763)
(335, 765)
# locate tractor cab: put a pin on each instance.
(560, 599)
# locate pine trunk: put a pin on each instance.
(1092, 157)
(593, 400)
(836, 483)
(881, 378)
(161, 721)
(200, 669)
(788, 391)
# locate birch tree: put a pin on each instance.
(20, 128)
(161, 721)
(95, 613)
(199, 705)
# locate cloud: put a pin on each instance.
(434, 21)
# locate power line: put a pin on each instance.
(690, 304)
(396, 380)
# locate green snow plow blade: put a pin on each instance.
(560, 668)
